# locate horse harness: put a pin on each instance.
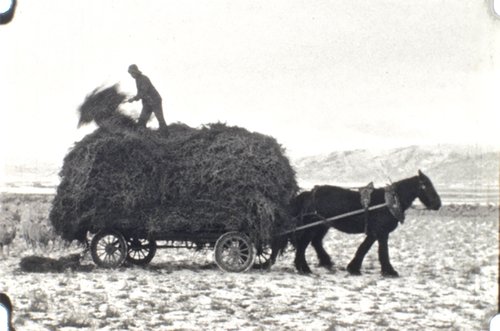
(365, 194)
(391, 202)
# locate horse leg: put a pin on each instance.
(317, 242)
(274, 254)
(383, 256)
(354, 267)
(278, 245)
(300, 253)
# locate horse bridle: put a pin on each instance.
(422, 186)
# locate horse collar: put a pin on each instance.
(365, 194)
(393, 204)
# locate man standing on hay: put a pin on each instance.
(151, 99)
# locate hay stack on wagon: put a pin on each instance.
(217, 178)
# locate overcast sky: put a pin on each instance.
(317, 75)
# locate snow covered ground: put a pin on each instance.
(448, 262)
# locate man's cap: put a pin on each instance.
(133, 69)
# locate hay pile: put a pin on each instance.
(218, 178)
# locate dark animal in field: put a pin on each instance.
(35, 263)
(7, 234)
(327, 201)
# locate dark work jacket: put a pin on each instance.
(146, 91)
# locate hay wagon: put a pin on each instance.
(132, 193)
(234, 251)
(137, 191)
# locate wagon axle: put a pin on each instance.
(233, 251)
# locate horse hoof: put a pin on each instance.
(326, 266)
(305, 271)
(390, 274)
(332, 271)
(353, 272)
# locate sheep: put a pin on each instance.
(40, 234)
(35, 230)
(7, 234)
(8, 227)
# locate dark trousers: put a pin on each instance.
(147, 109)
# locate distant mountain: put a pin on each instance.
(34, 177)
(447, 165)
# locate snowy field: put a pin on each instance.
(448, 262)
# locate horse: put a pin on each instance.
(328, 201)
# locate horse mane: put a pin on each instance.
(407, 190)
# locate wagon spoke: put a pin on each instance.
(262, 258)
(108, 249)
(234, 252)
(140, 251)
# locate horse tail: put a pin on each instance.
(279, 244)
(281, 240)
(297, 207)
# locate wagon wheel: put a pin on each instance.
(263, 257)
(234, 252)
(108, 249)
(140, 251)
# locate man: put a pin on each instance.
(151, 99)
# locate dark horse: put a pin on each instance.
(328, 201)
